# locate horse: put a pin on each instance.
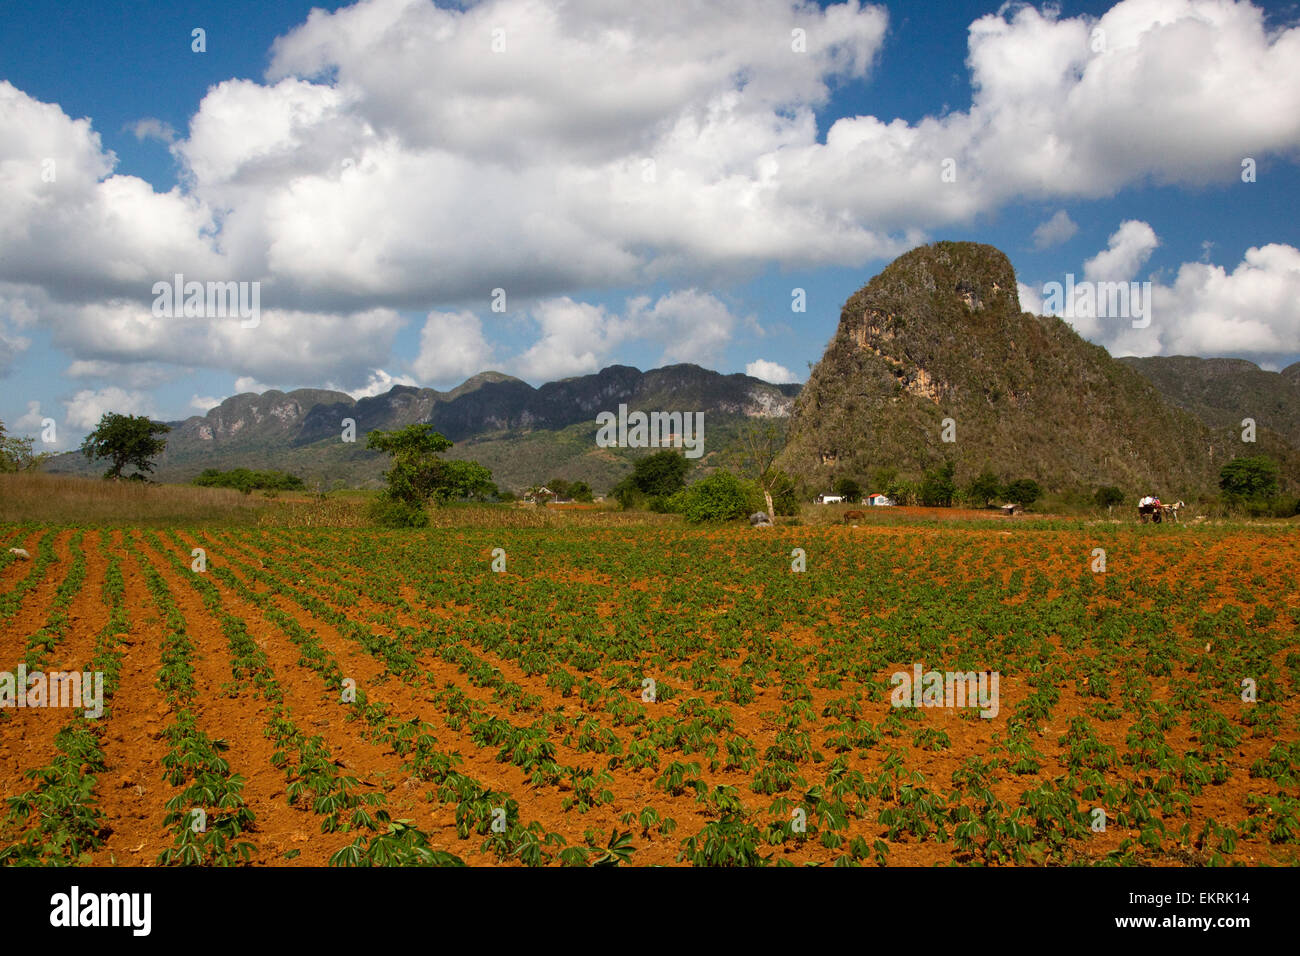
(1171, 511)
(854, 516)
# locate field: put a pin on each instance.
(655, 695)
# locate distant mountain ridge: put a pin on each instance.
(1221, 392)
(938, 334)
(524, 434)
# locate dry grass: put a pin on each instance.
(65, 499)
(68, 500)
(530, 516)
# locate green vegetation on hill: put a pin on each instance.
(936, 347)
(242, 479)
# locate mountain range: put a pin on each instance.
(933, 360)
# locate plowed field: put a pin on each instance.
(654, 696)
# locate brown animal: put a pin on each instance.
(854, 516)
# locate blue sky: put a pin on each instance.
(381, 170)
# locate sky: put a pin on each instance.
(415, 192)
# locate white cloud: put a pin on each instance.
(204, 403)
(379, 383)
(31, 420)
(1127, 250)
(89, 405)
(452, 348)
(578, 337)
(1060, 228)
(690, 326)
(390, 161)
(1252, 311)
(1031, 300)
(575, 337)
(151, 128)
(770, 372)
(246, 383)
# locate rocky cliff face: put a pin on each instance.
(936, 346)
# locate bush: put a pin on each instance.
(1249, 479)
(1108, 496)
(1023, 491)
(391, 513)
(938, 488)
(846, 488)
(720, 497)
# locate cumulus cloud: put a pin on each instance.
(578, 337)
(770, 372)
(452, 348)
(379, 383)
(392, 160)
(1251, 311)
(204, 403)
(31, 419)
(1060, 228)
(89, 405)
(1127, 250)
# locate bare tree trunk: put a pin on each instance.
(771, 512)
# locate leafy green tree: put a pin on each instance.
(561, 487)
(984, 488)
(848, 489)
(720, 497)
(1108, 496)
(660, 475)
(418, 475)
(581, 491)
(458, 480)
(938, 488)
(1023, 491)
(16, 453)
(1249, 479)
(126, 440)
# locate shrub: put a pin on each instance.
(1023, 491)
(1108, 496)
(720, 497)
(391, 513)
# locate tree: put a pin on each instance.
(126, 440)
(762, 445)
(561, 487)
(1249, 479)
(984, 488)
(720, 497)
(848, 489)
(660, 475)
(419, 475)
(785, 498)
(581, 491)
(458, 480)
(938, 487)
(1108, 496)
(16, 453)
(1023, 491)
